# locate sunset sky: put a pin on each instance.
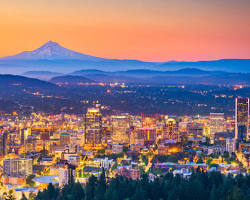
(150, 30)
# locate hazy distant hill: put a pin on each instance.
(88, 71)
(189, 76)
(184, 71)
(108, 77)
(184, 76)
(14, 80)
(18, 93)
(32, 95)
(228, 65)
(70, 80)
(43, 75)
(12, 85)
(52, 56)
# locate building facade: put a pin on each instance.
(120, 128)
(216, 124)
(93, 127)
(3, 143)
(241, 119)
(17, 167)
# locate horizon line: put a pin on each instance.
(126, 59)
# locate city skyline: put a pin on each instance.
(125, 100)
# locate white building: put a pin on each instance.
(101, 163)
(185, 173)
(65, 174)
(17, 167)
(230, 145)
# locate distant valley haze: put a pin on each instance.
(53, 57)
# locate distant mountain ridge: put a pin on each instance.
(188, 76)
(40, 73)
(20, 82)
(70, 80)
(52, 51)
(52, 56)
(149, 72)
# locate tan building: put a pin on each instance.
(120, 128)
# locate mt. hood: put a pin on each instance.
(52, 51)
(52, 56)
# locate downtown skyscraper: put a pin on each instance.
(120, 126)
(241, 119)
(93, 127)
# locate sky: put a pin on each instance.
(149, 30)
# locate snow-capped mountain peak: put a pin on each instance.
(52, 51)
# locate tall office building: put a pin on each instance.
(64, 139)
(148, 121)
(44, 135)
(216, 124)
(120, 128)
(24, 133)
(143, 136)
(241, 119)
(3, 143)
(30, 144)
(195, 130)
(172, 130)
(93, 127)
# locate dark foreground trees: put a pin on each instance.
(200, 186)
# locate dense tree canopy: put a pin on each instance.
(200, 186)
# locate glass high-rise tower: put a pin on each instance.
(93, 127)
(241, 119)
(120, 126)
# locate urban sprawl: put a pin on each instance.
(40, 148)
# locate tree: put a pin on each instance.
(101, 187)
(200, 160)
(226, 156)
(237, 194)
(209, 161)
(139, 194)
(23, 197)
(66, 192)
(114, 166)
(51, 193)
(125, 149)
(78, 192)
(31, 196)
(213, 165)
(213, 195)
(111, 195)
(201, 185)
(90, 188)
(173, 194)
(145, 159)
(172, 158)
(156, 185)
(10, 196)
(29, 180)
(207, 141)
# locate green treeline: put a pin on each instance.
(200, 186)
